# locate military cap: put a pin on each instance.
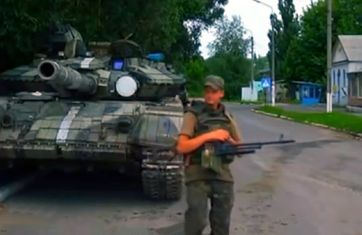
(215, 82)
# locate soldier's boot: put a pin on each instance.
(222, 200)
(197, 201)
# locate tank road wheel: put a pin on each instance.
(162, 181)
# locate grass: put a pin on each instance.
(338, 120)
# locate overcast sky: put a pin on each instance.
(255, 17)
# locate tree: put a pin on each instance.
(234, 69)
(195, 71)
(228, 60)
(348, 16)
(173, 26)
(311, 48)
(229, 38)
(261, 63)
(306, 57)
(285, 32)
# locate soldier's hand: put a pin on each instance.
(232, 141)
(218, 135)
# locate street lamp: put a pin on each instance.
(251, 58)
(273, 50)
(329, 56)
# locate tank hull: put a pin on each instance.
(134, 138)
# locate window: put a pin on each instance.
(344, 78)
(356, 85)
(305, 92)
(318, 92)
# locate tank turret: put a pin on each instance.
(62, 40)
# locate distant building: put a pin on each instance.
(346, 74)
(307, 93)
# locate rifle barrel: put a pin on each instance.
(268, 142)
(247, 147)
(233, 150)
(246, 151)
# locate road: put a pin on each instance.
(311, 187)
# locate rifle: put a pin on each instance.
(226, 148)
(213, 154)
(218, 150)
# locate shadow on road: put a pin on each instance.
(84, 189)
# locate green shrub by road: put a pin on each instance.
(338, 120)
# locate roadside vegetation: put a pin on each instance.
(339, 120)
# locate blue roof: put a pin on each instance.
(306, 83)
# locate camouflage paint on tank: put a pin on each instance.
(72, 126)
(69, 105)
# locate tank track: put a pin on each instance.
(162, 181)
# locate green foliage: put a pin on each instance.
(313, 43)
(229, 50)
(228, 61)
(285, 32)
(350, 122)
(229, 38)
(261, 63)
(234, 69)
(347, 15)
(305, 56)
(195, 71)
(173, 26)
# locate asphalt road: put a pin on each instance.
(311, 187)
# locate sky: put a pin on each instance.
(255, 18)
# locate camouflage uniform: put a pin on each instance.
(203, 184)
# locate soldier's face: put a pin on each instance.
(213, 96)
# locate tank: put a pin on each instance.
(73, 108)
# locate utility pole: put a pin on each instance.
(252, 63)
(273, 60)
(273, 50)
(251, 82)
(329, 56)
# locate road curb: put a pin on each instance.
(357, 136)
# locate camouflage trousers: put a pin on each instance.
(221, 197)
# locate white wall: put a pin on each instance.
(355, 67)
(248, 95)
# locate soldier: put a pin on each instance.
(206, 122)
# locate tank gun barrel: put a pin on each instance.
(66, 77)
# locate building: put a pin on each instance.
(346, 74)
(306, 93)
